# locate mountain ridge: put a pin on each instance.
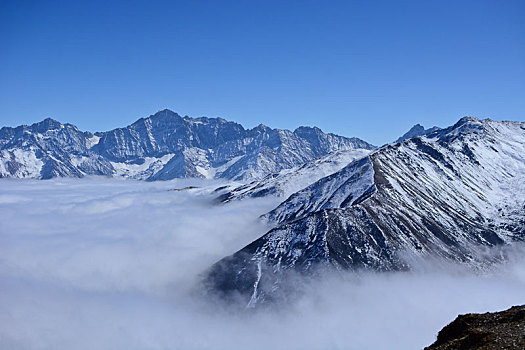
(444, 195)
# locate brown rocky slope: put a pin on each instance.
(488, 331)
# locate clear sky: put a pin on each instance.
(369, 68)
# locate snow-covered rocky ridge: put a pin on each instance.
(161, 147)
(444, 195)
(289, 181)
(49, 149)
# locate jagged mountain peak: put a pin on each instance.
(263, 128)
(418, 128)
(465, 127)
(47, 124)
(415, 131)
(164, 115)
(307, 129)
(470, 121)
(48, 120)
(165, 112)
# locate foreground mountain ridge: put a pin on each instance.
(442, 195)
(162, 147)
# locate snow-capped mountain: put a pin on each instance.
(442, 195)
(417, 130)
(161, 147)
(49, 149)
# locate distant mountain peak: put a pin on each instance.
(417, 127)
(470, 119)
(47, 124)
(165, 113)
(48, 121)
(308, 128)
(415, 131)
(166, 110)
(308, 132)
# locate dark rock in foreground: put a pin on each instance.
(491, 330)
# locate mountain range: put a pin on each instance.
(161, 147)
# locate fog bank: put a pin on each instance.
(112, 264)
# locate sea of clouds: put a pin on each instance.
(113, 264)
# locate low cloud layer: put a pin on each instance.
(109, 264)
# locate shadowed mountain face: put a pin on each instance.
(488, 331)
(443, 195)
(161, 147)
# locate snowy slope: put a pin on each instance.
(443, 195)
(289, 181)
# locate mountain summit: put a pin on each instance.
(417, 130)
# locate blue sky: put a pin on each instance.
(369, 69)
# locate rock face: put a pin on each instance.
(488, 331)
(161, 147)
(443, 195)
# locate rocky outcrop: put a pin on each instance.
(488, 331)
